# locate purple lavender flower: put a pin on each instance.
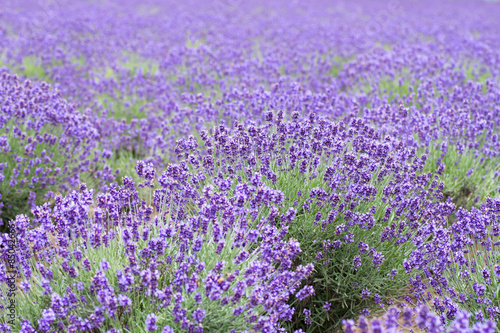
(305, 292)
(365, 293)
(307, 314)
(167, 329)
(105, 265)
(327, 306)
(151, 320)
(356, 262)
(198, 315)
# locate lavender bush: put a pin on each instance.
(45, 144)
(417, 318)
(343, 186)
(465, 275)
(150, 267)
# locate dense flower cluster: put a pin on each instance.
(352, 198)
(152, 89)
(372, 186)
(417, 318)
(125, 254)
(44, 142)
(467, 251)
(166, 85)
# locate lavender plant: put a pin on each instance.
(120, 264)
(466, 273)
(469, 177)
(210, 82)
(343, 186)
(45, 144)
(417, 318)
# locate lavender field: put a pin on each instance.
(249, 166)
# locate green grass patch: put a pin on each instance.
(32, 68)
(126, 107)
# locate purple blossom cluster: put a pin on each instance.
(143, 95)
(461, 268)
(179, 265)
(44, 142)
(419, 318)
(230, 200)
(362, 198)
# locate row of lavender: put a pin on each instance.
(141, 89)
(276, 226)
(315, 152)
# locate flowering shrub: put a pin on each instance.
(44, 141)
(465, 273)
(225, 71)
(128, 264)
(356, 203)
(364, 191)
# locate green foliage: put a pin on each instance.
(121, 162)
(337, 61)
(469, 177)
(78, 61)
(337, 66)
(475, 72)
(123, 107)
(135, 63)
(33, 68)
(192, 44)
(16, 202)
